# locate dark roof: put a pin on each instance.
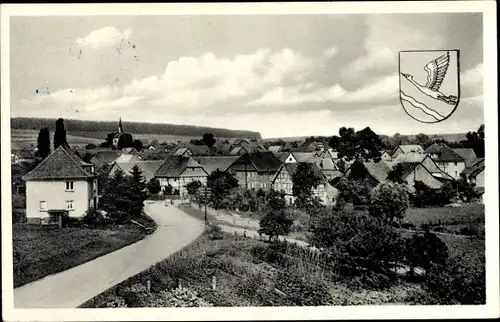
(378, 170)
(262, 161)
(409, 148)
(474, 169)
(106, 156)
(282, 156)
(60, 164)
(173, 166)
(148, 167)
(292, 167)
(212, 163)
(444, 153)
(468, 154)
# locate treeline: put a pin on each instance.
(131, 127)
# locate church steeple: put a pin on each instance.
(120, 127)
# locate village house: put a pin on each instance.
(255, 170)
(275, 148)
(61, 183)
(147, 167)
(446, 159)
(474, 174)
(468, 155)
(178, 171)
(328, 168)
(407, 148)
(214, 163)
(282, 181)
(385, 156)
(104, 157)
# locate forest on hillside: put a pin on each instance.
(131, 127)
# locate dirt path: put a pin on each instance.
(75, 286)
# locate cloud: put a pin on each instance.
(382, 89)
(330, 52)
(104, 37)
(472, 79)
(387, 35)
(196, 83)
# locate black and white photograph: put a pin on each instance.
(239, 158)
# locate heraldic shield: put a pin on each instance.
(429, 84)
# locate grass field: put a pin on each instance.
(23, 138)
(246, 277)
(467, 213)
(39, 252)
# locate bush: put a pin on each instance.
(456, 282)
(303, 289)
(425, 250)
(18, 216)
(94, 218)
(275, 223)
(215, 232)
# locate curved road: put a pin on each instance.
(75, 286)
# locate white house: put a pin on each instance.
(446, 159)
(282, 181)
(61, 183)
(178, 171)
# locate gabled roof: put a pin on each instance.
(282, 156)
(213, 163)
(173, 166)
(292, 167)
(474, 169)
(127, 158)
(444, 153)
(129, 151)
(304, 156)
(261, 161)
(148, 167)
(410, 157)
(468, 154)
(327, 164)
(180, 151)
(106, 156)
(275, 148)
(378, 170)
(60, 164)
(408, 148)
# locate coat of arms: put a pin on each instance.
(429, 83)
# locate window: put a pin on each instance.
(43, 205)
(69, 205)
(69, 186)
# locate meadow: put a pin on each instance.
(22, 138)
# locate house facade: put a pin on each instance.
(179, 171)
(446, 159)
(255, 170)
(62, 182)
(282, 181)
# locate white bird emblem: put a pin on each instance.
(436, 71)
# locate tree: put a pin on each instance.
(277, 222)
(60, 135)
(168, 189)
(43, 143)
(196, 142)
(220, 184)
(422, 250)
(356, 191)
(475, 140)
(422, 139)
(209, 140)
(357, 240)
(125, 141)
(115, 199)
(192, 187)
(351, 145)
(154, 186)
(396, 174)
(138, 145)
(389, 201)
(90, 146)
(304, 180)
(137, 191)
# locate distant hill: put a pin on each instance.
(101, 127)
(451, 137)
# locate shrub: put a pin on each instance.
(18, 216)
(94, 218)
(457, 282)
(275, 223)
(303, 289)
(214, 232)
(425, 250)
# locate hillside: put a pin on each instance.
(102, 127)
(450, 137)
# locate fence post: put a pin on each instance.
(179, 284)
(148, 286)
(214, 283)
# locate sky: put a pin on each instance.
(280, 75)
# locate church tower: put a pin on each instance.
(120, 127)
